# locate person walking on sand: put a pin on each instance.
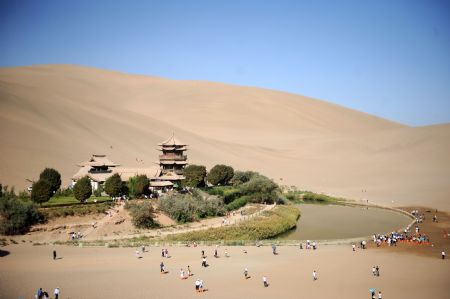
(182, 273)
(274, 249)
(189, 271)
(56, 293)
(197, 285)
(374, 271)
(265, 283)
(54, 254)
(379, 295)
(246, 273)
(377, 270)
(443, 255)
(314, 275)
(161, 267)
(353, 247)
(204, 264)
(226, 253)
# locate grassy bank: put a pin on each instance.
(75, 210)
(71, 200)
(268, 225)
(311, 197)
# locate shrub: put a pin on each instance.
(271, 224)
(187, 208)
(241, 177)
(98, 191)
(53, 177)
(76, 210)
(82, 189)
(237, 203)
(195, 175)
(114, 186)
(220, 175)
(261, 189)
(16, 216)
(142, 214)
(41, 192)
(139, 186)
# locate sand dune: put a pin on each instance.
(58, 115)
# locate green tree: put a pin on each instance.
(142, 214)
(53, 177)
(16, 215)
(82, 189)
(41, 191)
(142, 185)
(195, 175)
(241, 177)
(220, 175)
(114, 186)
(260, 189)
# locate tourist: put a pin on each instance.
(56, 292)
(45, 295)
(265, 283)
(374, 271)
(182, 273)
(353, 247)
(363, 243)
(246, 273)
(197, 285)
(143, 248)
(137, 253)
(226, 253)
(314, 275)
(435, 218)
(372, 294)
(379, 295)
(201, 288)
(274, 249)
(189, 271)
(443, 255)
(204, 264)
(377, 270)
(215, 253)
(166, 253)
(301, 246)
(314, 245)
(162, 252)
(39, 293)
(54, 254)
(161, 266)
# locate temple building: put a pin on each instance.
(172, 162)
(99, 168)
(165, 176)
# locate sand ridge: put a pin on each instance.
(58, 115)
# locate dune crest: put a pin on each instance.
(58, 115)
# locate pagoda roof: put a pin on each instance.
(98, 161)
(171, 162)
(171, 176)
(160, 184)
(170, 148)
(125, 173)
(172, 141)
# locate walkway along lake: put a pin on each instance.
(327, 222)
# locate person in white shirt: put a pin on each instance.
(265, 282)
(56, 293)
(314, 275)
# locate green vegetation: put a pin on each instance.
(83, 189)
(138, 186)
(195, 176)
(220, 175)
(71, 200)
(241, 177)
(41, 192)
(142, 214)
(52, 177)
(269, 225)
(311, 197)
(237, 203)
(16, 215)
(76, 210)
(187, 208)
(114, 186)
(260, 189)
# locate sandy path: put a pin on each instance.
(117, 273)
(200, 225)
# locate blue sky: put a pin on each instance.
(387, 58)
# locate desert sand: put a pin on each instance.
(117, 273)
(58, 115)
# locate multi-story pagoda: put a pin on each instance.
(172, 159)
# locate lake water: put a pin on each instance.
(327, 222)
